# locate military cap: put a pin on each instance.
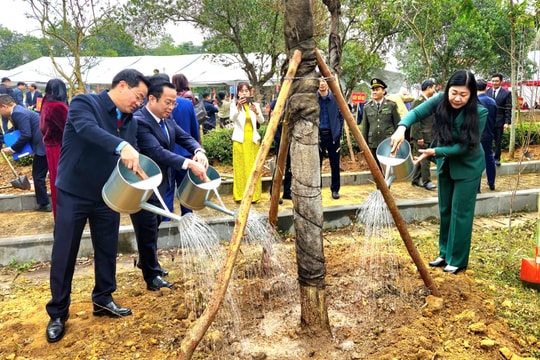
(377, 82)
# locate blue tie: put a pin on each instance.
(162, 124)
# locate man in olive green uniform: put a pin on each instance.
(380, 117)
(421, 136)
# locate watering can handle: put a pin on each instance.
(141, 174)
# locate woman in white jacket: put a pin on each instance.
(245, 114)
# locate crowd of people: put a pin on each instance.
(79, 142)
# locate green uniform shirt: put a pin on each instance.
(379, 123)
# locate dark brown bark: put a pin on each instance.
(303, 111)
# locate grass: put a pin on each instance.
(496, 260)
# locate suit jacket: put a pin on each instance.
(18, 96)
(491, 105)
(157, 146)
(334, 116)
(184, 115)
(31, 99)
(27, 122)
(91, 138)
(463, 163)
(379, 124)
(424, 128)
(504, 106)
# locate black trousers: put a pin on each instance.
(333, 149)
(39, 174)
(145, 226)
(72, 213)
(497, 136)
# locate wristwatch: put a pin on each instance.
(200, 150)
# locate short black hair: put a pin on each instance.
(157, 83)
(427, 84)
(481, 84)
(4, 79)
(5, 99)
(205, 94)
(500, 76)
(21, 83)
(131, 76)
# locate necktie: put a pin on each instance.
(494, 94)
(162, 124)
(378, 106)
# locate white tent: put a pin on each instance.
(200, 69)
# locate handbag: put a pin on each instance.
(200, 112)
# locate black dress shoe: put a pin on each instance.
(453, 269)
(162, 270)
(110, 310)
(430, 186)
(417, 183)
(56, 329)
(492, 187)
(335, 195)
(287, 196)
(43, 208)
(498, 162)
(438, 262)
(157, 283)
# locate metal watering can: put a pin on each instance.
(395, 167)
(125, 191)
(196, 194)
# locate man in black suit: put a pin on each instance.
(503, 98)
(27, 122)
(156, 135)
(31, 96)
(99, 130)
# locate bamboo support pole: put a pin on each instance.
(279, 171)
(378, 177)
(197, 331)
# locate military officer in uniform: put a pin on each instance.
(380, 117)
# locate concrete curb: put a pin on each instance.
(38, 247)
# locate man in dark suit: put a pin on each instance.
(31, 96)
(156, 136)
(503, 98)
(5, 88)
(99, 130)
(27, 122)
(421, 136)
(487, 135)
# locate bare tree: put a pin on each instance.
(67, 24)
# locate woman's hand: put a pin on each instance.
(241, 102)
(253, 108)
(424, 154)
(397, 138)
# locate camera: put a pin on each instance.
(249, 99)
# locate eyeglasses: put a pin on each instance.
(170, 104)
(140, 98)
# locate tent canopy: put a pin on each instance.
(200, 69)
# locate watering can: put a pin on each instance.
(398, 166)
(125, 192)
(196, 194)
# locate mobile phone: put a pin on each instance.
(249, 99)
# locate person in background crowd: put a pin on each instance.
(156, 135)
(211, 111)
(31, 97)
(421, 135)
(18, 93)
(403, 101)
(287, 177)
(380, 117)
(99, 130)
(224, 107)
(53, 118)
(330, 130)
(184, 115)
(459, 122)
(503, 98)
(245, 115)
(27, 122)
(5, 88)
(487, 135)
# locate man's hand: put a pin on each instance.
(201, 158)
(198, 170)
(420, 142)
(130, 158)
(505, 127)
(8, 151)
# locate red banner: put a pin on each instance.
(358, 97)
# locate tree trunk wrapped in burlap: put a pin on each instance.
(303, 110)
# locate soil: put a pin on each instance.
(378, 307)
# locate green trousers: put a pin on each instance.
(457, 199)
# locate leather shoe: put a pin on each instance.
(430, 186)
(498, 162)
(453, 269)
(438, 262)
(157, 283)
(287, 196)
(335, 195)
(417, 183)
(162, 270)
(492, 187)
(43, 208)
(110, 310)
(56, 329)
